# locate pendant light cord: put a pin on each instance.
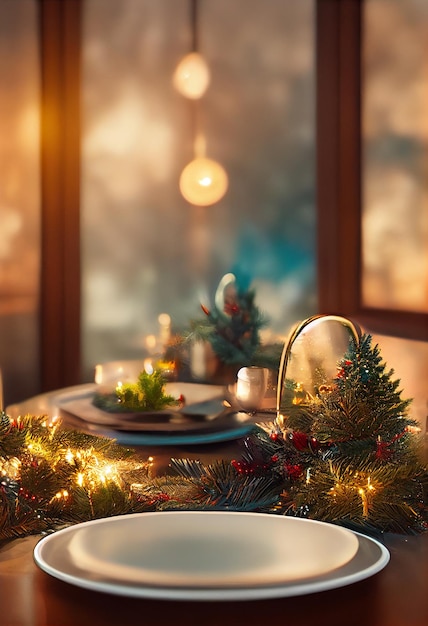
(194, 105)
(194, 25)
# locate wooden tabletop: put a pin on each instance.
(395, 596)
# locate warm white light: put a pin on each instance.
(203, 182)
(164, 319)
(151, 342)
(165, 328)
(148, 366)
(192, 76)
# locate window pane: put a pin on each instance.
(19, 199)
(395, 167)
(145, 250)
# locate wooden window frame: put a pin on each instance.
(338, 120)
(339, 157)
(60, 49)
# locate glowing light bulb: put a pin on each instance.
(203, 182)
(192, 76)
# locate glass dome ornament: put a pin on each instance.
(310, 359)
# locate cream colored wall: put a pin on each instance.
(409, 360)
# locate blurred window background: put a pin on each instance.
(19, 198)
(395, 178)
(145, 250)
(395, 157)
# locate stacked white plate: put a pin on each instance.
(209, 555)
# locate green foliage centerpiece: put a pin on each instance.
(146, 394)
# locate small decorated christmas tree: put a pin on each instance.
(231, 328)
(352, 454)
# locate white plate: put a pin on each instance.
(201, 555)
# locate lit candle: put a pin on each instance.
(151, 342)
(98, 374)
(165, 328)
(148, 366)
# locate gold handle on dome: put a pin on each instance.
(353, 328)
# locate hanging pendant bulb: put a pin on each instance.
(192, 76)
(203, 182)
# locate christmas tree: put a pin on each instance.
(350, 454)
(231, 327)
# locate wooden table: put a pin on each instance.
(396, 596)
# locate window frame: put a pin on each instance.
(339, 157)
(60, 48)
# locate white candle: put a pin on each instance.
(251, 387)
(99, 374)
(165, 329)
(197, 359)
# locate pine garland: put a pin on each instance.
(51, 477)
(349, 455)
